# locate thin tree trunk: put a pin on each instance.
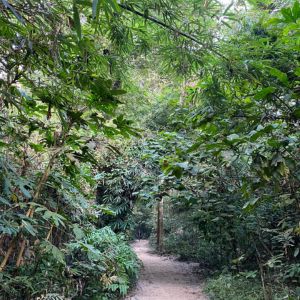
(160, 224)
(268, 295)
(182, 93)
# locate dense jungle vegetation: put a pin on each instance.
(175, 120)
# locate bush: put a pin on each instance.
(244, 285)
(188, 246)
(230, 287)
(99, 265)
(107, 262)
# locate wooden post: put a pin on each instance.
(160, 224)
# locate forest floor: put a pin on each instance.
(164, 278)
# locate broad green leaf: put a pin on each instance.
(261, 131)
(37, 147)
(54, 251)
(297, 71)
(195, 147)
(287, 14)
(280, 75)
(118, 92)
(296, 113)
(54, 217)
(3, 144)
(4, 201)
(248, 206)
(79, 233)
(29, 227)
(296, 10)
(264, 93)
(25, 192)
(114, 5)
(84, 2)
(176, 171)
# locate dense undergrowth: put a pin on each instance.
(97, 265)
(213, 93)
(241, 286)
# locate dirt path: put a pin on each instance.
(163, 278)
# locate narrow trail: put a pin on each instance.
(163, 278)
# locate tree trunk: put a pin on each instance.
(160, 224)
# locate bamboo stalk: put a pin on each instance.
(20, 255)
(49, 233)
(8, 254)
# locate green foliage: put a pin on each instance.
(222, 148)
(242, 286)
(57, 101)
(117, 188)
(226, 161)
(102, 256)
(100, 265)
(227, 286)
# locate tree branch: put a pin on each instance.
(169, 27)
(161, 23)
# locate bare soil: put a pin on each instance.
(164, 278)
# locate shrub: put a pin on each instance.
(245, 285)
(99, 265)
